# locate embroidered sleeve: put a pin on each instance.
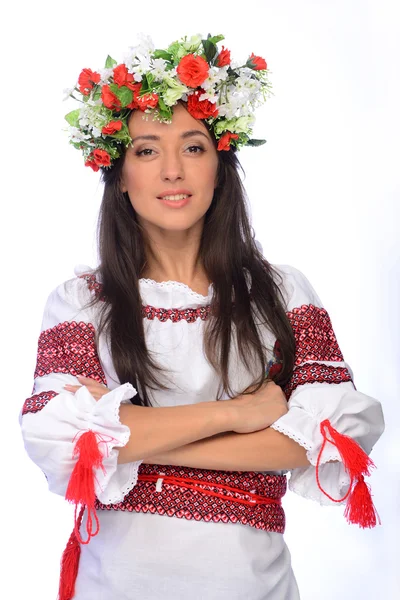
(327, 415)
(56, 424)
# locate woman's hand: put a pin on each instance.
(258, 410)
(96, 389)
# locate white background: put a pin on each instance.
(324, 194)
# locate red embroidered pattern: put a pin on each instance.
(69, 347)
(245, 505)
(315, 338)
(175, 314)
(316, 373)
(93, 284)
(37, 402)
(150, 312)
(315, 341)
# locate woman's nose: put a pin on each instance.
(172, 167)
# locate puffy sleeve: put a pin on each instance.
(337, 424)
(63, 431)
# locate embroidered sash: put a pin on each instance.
(248, 497)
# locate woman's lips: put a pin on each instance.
(175, 203)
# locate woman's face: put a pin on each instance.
(177, 157)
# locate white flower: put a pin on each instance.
(193, 44)
(146, 46)
(77, 135)
(158, 69)
(211, 97)
(215, 76)
(142, 68)
(96, 131)
(67, 92)
(105, 75)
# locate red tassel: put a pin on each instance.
(353, 456)
(360, 508)
(81, 491)
(81, 484)
(70, 565)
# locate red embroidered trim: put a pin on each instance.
(315, 338)
(37, 402)
(69, 347)
(175, 314)
(93, 284)
(316, 372)
(249, 498)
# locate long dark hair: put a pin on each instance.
(227, 248)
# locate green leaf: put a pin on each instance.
(124, 94)
(73, 117)
(110, 62)
(145, 89)
(173, 49)
(163, 54)
(162, 104)
(164, 110)
(210, 50)
(97, 94)
(215, 39)
(255, 142)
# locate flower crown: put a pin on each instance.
(195, 71)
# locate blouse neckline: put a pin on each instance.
(171, 285)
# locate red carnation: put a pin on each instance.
(224, 58)
(91, 163)
(256, 63)
(101, 157)
(122, 77)
(109, 99)
(143, 102)
(225, 140)
(192, 70)
(112, 127)
(200, 109)
(86, 81)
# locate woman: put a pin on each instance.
(133, 356)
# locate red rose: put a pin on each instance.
(101, 157)
(109, 99)
(86, 81)
(192, 70)
(200, 109)
(91, 163)
(225, 140)
(112, 127)
(122, 77)
(224, 58)
(256, 63)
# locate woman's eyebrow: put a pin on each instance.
(184, 135)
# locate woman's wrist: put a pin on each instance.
(227, 414)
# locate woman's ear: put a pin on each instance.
(122, 186)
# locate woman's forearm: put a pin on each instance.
(160, 429)
(265, 450)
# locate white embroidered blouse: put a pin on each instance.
(150, 555)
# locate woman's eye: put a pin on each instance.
(145, 150)
(198, 147)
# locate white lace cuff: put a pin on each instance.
(50, 436)
(304, 429)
